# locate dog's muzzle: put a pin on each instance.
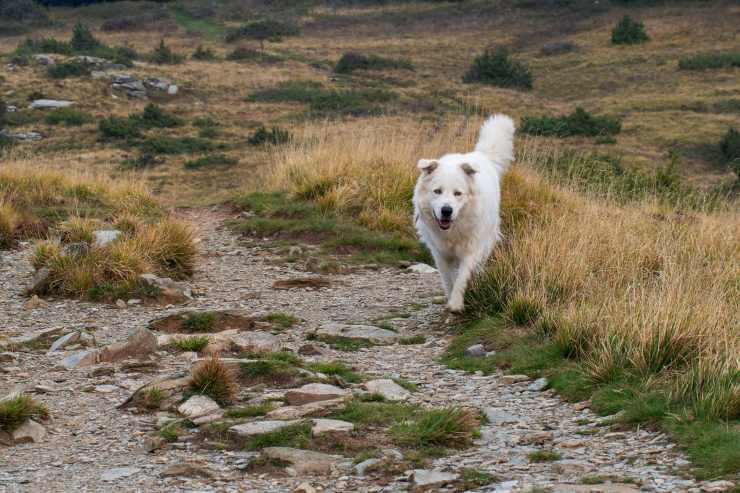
(445, 221)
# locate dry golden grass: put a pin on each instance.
(641, 286)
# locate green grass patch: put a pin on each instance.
(210, 161)
(204, 54)
(278, 214)
(249, 411)
(451, 427)
(271, 136)
(406, 384)
(580, 122)
(16, 410)
(710, 61)
(411, 340)
(69, 117)
(730, 148)
(342, 343)
(65, 70)
(475, 478)
(263, 30)
(244, 54)
(295, 436)
(544, 456)
(281, 320)
(206, 27)
(336, 368)
(193, 343)
(364, 414)
(163, 55)
(164, 144)
(199, 322)
(171, 431)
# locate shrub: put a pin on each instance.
(114, 127)
(629, 31)
(193, 343)
(273, 136)
(214, 379)
(154, 117)
(544, 456)
(730, 147)
(44, 45)
(580, 122)
(152, 398)
(263, 30)
(170, 247)
(211, 160)
(8, 225)
(16, 410)
(82, 39)
(199, 322)
(299, 91)
(74, 68)
(68, 116)
(496, 67)
(203, 54)
(163, 55)
(352, 61)
(707, 61)
(26, 11)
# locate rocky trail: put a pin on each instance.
(92, 445)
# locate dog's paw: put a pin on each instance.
(455, 306)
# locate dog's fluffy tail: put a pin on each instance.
(496, 141)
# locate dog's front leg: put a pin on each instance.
(447, 272)
(455, 301)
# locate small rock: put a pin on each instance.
(198, 405)
(388, 389)
(141, 343)
(45, 60)
(424, 478)
(106, 389)
(714, 486)
(498, 416)
(172, 90)
(64, 341)
(105, 236)
(313, 392)
(359, 332)
(538, 385)
(79, 359)
(536, 438)
(42, 104)
(29, 432)
(34, 302)
(304, 488)
(421, 268)
(256, 342)
(310, 350)
(76, 249)
(120, 303)
(117, 473)
(295, 412)
(575, 443)
(307, 461)
(8, 357)
(363, 466)
(439, 300)
(476, 351)
(186, 470)
(512, 379)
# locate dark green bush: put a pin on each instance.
(211, 160)
(263, 30)
(116, 128)
(203, 54)
(73, 68)
(580, 122)
(730, 147)
(44, 45)
(163, 55)
(82, 39)
(497, 68)
(154, 117)
(299, 91)
(272, 136)
(68, 116)
(21, 11)
(352, 61)
(709, 61)
(629, 31)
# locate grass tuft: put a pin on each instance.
(16, 410)
(214, 379)
(451, 427)
(544, 456)
(193, 343)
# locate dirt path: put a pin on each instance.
(88, 436)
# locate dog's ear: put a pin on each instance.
(427, 165)
(469, 169)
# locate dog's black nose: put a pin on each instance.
(446, 211)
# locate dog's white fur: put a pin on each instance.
(470, 185)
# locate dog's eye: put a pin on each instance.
(438, 191)
(458, 193)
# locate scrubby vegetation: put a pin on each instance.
(352, 61)
(163, 55)
(710, 61)
(272, 136)
(203, 53)
(497, 68)
(214, 379)
(15, 410)
(69, 117)
(580, 122)
(730, 147)
(263, 30)
(629, 31)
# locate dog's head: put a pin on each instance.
(446, 187)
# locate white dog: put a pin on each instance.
(456, 203)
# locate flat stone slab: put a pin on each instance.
(388, 389)
(294, 412)
(117, 473)
(41, 104)
(307, 461)
(259, 427)
(427, 478)
(313, 392)
(497, 416)
(370, 333)
(321, 426)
